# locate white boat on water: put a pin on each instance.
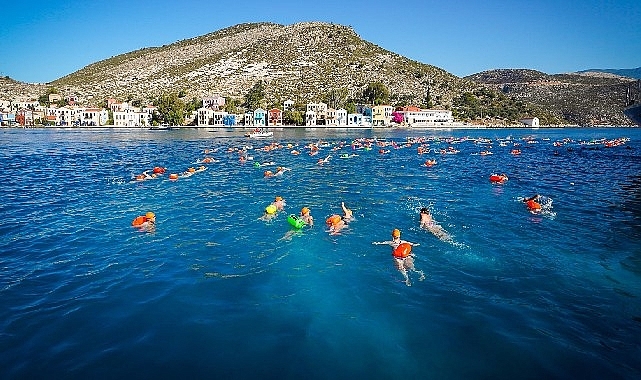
(260, 134)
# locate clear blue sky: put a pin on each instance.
(41, 41)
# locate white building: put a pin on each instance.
(320, 113)
(130, 117)
(416, 116)
(530, 122)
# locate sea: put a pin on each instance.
(217, 291)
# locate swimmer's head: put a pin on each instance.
(396, 233)
(425, 211)
(304, 211)
(278, 199)
(150, 215)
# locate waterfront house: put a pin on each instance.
(275, 117)
(336, 118)
(382, 115)
(93, 117)
(415, 116)
(288, 104)
(229, 120)
(310, 118)
(530, 122)
(354, 120)
(248, 119)
(260, 117)
(320, 110)
(129, 116)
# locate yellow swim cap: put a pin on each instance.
(396, 233)
(150, 215)
(304, 210)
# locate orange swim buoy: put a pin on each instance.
(532, 205)
(139, 221)
(495, 178)
(402, 251)
(173, 176)
(159, 170)
(334, 219)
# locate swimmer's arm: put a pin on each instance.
(387, 242)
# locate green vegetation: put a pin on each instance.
(255, 97)
(171, 110)
(376, 93)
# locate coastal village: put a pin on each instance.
(30, 113)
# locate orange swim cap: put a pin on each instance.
(396, 233)
(279, 199)
(304, 210)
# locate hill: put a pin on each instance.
(630, 73)
(577, 98)
(299, 62)
(305, 62)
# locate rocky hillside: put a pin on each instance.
(299, 62)
(305, 61)
(578, 98)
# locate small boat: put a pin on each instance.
(162, 127)
(260, 134)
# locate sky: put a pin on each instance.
(41, 41)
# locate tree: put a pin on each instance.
(376, 93)
(336, 98)
(293, 117)
(232, 105)
(171, 109)
(255, 96)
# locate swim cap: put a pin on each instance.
(191, 170)
(304, 210)
(279, 199)
(396, 233)
(150, 215)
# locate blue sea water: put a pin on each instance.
(216, 292)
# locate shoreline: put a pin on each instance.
(451, 127)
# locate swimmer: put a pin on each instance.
(188, 173)
(428, 223)
(325, 160)
(279, 203)
(281, 170)
(145, 223)
(307, 216)
(335, 224)
(404, 260)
